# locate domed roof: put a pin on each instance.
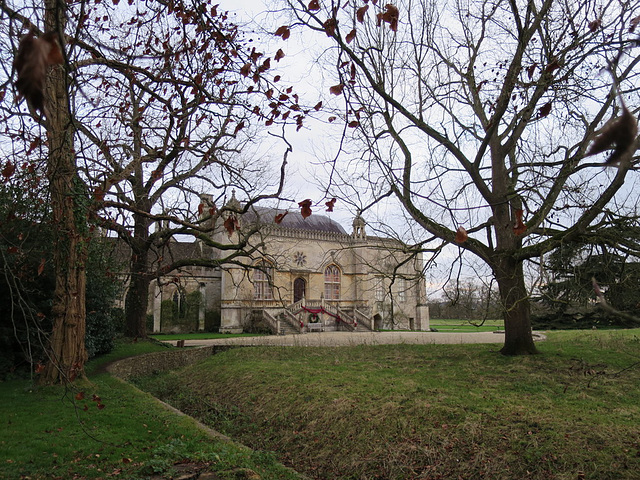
(293, 219)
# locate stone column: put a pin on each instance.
(157, 307)
(202, 307)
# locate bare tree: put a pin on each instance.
(148, 107)
(177, 112)
(476, 116)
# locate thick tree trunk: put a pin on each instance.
(138, 293)
(67, 354)
(517, 313)
(137, 297)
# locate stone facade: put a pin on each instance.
(300, 271)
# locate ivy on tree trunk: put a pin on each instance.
(67, 354)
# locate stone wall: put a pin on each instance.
(157, 362)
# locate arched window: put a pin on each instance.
(402, 290)
(299, 289)
(262, 279)
(179, 303)
(332, 283)
(379, 291)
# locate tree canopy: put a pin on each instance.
(133, 112)
(485, 120)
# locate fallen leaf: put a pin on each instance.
(330, 204)
(98, 194)
(337, 89)
(544, 110)
(461, 235)
(552, 66)
(245, 70)
(283, 32)
(32, 59)
(41, 266)
(8, 170)
(239, 127)
(520, 228)
(390, 16)
(280, 217)
(231, 224)
(330, 26)
(33, 145)
(305, 207)
(618, 134)
(360, 13)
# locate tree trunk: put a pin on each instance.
(67, 354)
(138, 293)
(137, 297)
(515, 302)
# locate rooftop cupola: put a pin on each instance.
(358, 228)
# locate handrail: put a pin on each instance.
(342, 317)
(347, 320)
(362, 319)
(291, 319)
(295, 307)
(271, 321)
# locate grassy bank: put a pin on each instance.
(429, 411)
(111, 430)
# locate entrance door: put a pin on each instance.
(299, 289)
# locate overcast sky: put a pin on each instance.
(316, 143)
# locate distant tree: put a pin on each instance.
(477, 118)
(468, 300)
(572, 269)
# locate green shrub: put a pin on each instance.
(100, 334)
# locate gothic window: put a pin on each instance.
(262, 281)
(179, 303)
(332, 283)
(402, 290)
(379, 292)
(299, 289)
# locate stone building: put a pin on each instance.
(299, 275)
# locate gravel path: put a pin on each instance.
(336, 339)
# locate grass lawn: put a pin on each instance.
(456, 325)
(428, 411)
(53, 433)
